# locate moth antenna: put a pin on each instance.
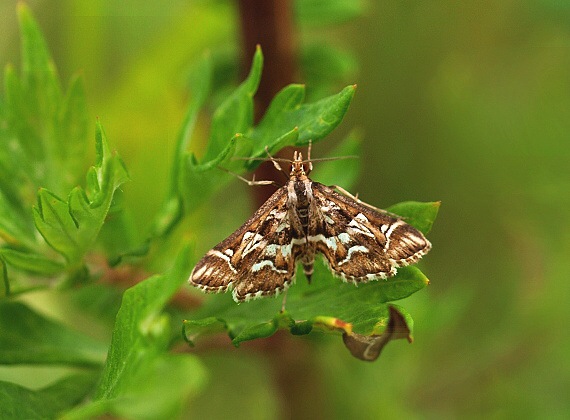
(262, 159)
(332, 158)
(310, 162)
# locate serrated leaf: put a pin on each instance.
(325, 303)
(31, 262)
(18, 402)
(137, 363)
(71, 227)
(36, 339)
(46, 128)
(43, 133)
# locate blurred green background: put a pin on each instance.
(463, 102)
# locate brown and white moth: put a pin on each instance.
(359, 242)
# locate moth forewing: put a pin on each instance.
(256, 260)
(298, 221)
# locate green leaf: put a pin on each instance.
(287, 122)
(31, 262)
(71, 227)
(73, 130)
(171, 211)
(233, 117)
(4, 283)
(18, 402)
(136, 361)
(36, 339)
(158, 390)
(43, 133)
(326, 298)
(119, 235)
(235, 114)
(47, 129)
(200, 180)
(326, 303)
(15, 226)
(419, 215)
(314, 120)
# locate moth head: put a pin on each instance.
(297, 166)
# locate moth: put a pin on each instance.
(303, 218)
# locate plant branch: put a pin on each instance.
(269, 23)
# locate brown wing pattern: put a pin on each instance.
(256, 260)
(359, 243)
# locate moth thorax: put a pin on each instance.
(303, 196)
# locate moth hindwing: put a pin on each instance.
(303, 218)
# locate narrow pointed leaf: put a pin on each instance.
(200, 180)
(18, 402)
(37, 339)
(172, 208)
(4, 284)
(43, 137)
(137, 363)
(31, 262)
(141, 331)
(15, 224)
(235, 114)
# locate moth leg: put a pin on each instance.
(284, 300)
(275, 163)
(251, 182)
(355, 198)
